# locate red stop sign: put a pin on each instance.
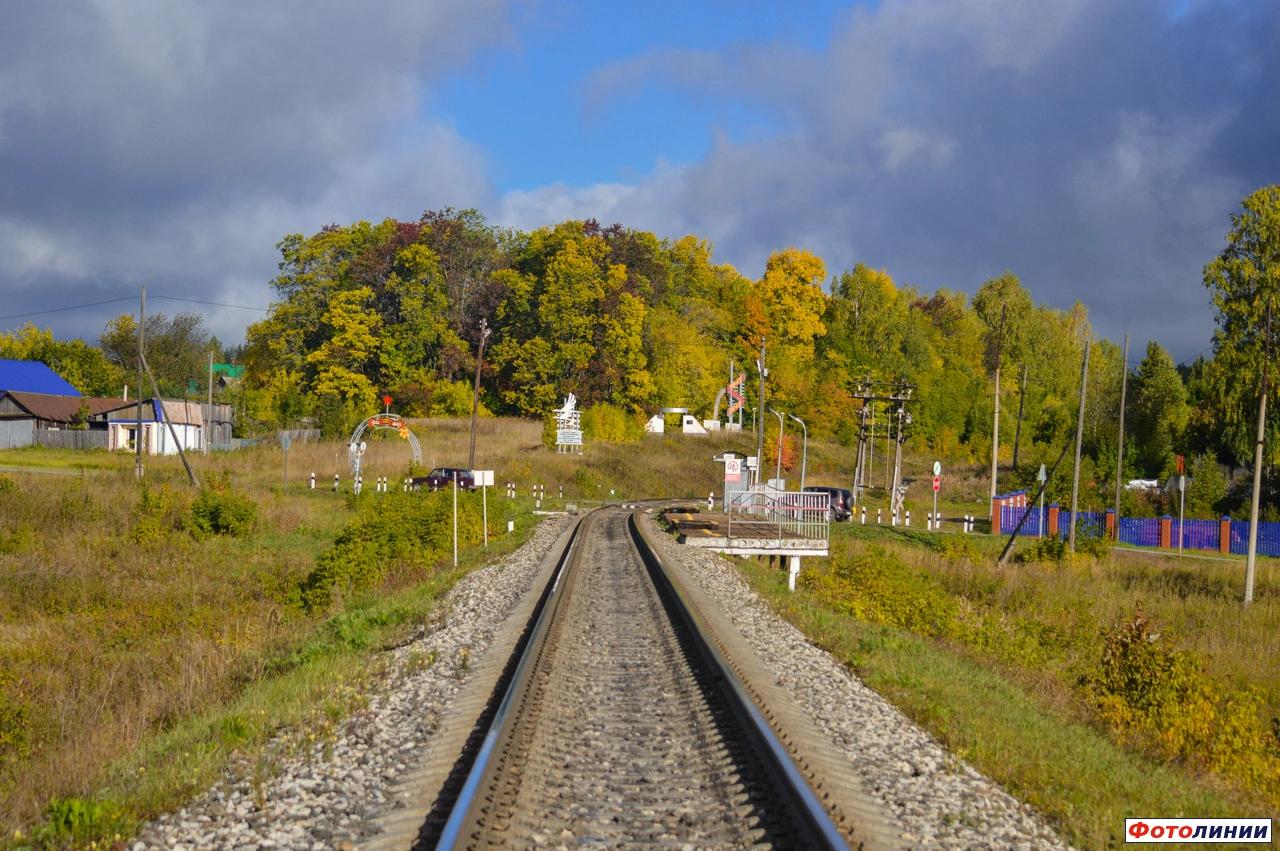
(937, 483)
(386, 400)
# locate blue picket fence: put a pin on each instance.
(1268, 538)
(1197, 534)
(1089, 524)
(1140, 531)
(1010, 516)
(1145, 531)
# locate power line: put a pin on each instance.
(129, 298)
(212, 303)
(68, 307)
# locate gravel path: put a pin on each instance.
(321, 791)
(940, 800)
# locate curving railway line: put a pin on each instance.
(621, 720)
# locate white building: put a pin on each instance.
(157, 439)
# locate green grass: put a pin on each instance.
(1084, 782)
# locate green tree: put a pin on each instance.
(84, 366)
(1158, 413)
(1244, 281)
(1206, 486)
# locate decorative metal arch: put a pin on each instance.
(391, 422)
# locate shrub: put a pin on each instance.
(957, 548)
(391, 532)
(8, 485)
(1053, 549)
(877, 588)
(1158, 696)
(153, 518)
(72, 821)
(605, 423)
(218, 510)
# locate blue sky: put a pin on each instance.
(1095, 148)
(528, 107)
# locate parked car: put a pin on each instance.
(442, 477)
(841, 501)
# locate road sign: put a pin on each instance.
(1042, 475)
(1182, 483)
(937, 483)
(937, 468)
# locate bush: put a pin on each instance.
(154, 517)
(605, 423)
(957, 548)
(877, 588)
(1158, 696)
(220, 511)
(1053, 549)
(8, 485)
(392, 533)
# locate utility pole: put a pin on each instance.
(759, 419)
(871, 445)
(897, 462)
(782, 425)
(1251, 561)
(475, 393)
(1075, 476)
(1124, 386)
(804, 455)
(137, 435)
(995, 421)
(1017, 432)
(208, 417)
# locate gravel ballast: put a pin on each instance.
(940, 801)
(318, 793)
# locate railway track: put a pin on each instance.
(618, 720)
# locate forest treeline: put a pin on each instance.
(625, 319)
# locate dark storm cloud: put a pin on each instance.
(1094, 148)
(173, 144)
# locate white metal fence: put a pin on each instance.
(799, 514)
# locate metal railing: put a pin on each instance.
(803, 514)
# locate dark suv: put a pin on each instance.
(841, 501)
(442, 477)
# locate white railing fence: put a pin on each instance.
(800, 513)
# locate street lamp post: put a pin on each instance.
(804, 455)
(782, 424)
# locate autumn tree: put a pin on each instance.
(84, 366)
(1244, 281)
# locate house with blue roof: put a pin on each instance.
(30, 376)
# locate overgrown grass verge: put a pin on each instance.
(1031, 740)
(147, 633)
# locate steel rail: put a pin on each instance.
(790, 781)
(466, 808)
(473, 802)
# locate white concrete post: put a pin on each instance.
(793, 570)
(313, 479)
(335, 482)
